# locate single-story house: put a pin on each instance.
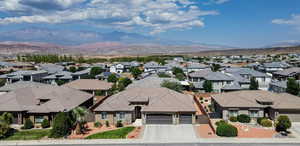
(43, 102)
(90, 85)
(149, 105)
(256, 103)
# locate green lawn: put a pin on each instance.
(35, 134)
(113, 134)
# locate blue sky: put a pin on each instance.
(238, 23)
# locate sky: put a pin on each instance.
(237, 23)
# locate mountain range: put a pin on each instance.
(44, 40)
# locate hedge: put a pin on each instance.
(227, 130)
(243, 118)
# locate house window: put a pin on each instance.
(233, 113)
(253, 114)
(38, 119)
(121, 116)
(103, 115)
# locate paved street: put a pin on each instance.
(169, 133)
(187, 144)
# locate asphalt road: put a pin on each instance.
(190, 144)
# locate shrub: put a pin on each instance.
(233, 119)
(243, 118)
(97, 124)
(266, 123)
(119, 124)
(62, 125)
(227, 130)
(107, 124)
(283, 123)
(258, 120)
(4, 129)
(45, 123)
(28, 124)
(221, 122)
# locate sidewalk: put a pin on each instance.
(141, 141)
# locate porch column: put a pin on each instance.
(20, 118)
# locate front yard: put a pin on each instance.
(35, 134)
(113, 134)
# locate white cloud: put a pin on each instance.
(155, 15)
(218, 2)
(293, 21)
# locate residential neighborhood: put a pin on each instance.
(83, 100)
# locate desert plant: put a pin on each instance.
(119, 124)
(45, 123)
(79, 114)
(233, 119)
(97, 124)
(62, 125)
(243, 118)
(283, 123)
(266, 123)
(227, 130)
(107, 123)
(28, 124)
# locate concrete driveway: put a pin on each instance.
(296, 129)
(161, 133)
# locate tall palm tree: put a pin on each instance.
(80, 114)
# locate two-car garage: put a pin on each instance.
(168, 119)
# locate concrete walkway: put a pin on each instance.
(169, 133)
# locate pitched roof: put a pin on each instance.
(51, 68)
(89, 84)
(246, 71)
(150, 82)
(276, 65)
(57, 99)
(20, 84)
(160, 100)
(201, 73)
(218, 76)
(288, 72)
(251, 99)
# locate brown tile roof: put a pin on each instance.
(252, 98)
(89, 84)
(28, 99)
(160, 100)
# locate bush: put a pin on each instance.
(28, 124)
(107, 124)
(62, 125)
(119, 124)
(266, 123)
(283, 123)
(4, 129)
(258, 120)
(233, 119)
(45, 123)
(97, 124)
(221, 122)
(243, 118)
(227, 130)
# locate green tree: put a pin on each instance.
(72, 69)
(177, 70)
(283, 123)
(80, 114)
(292, 86)
(207, 86)
(95, 71)
(136, 72)
(180, 76)
(215, 67)
(62, 125)
(112, 78)
(123, 83)
(172, 85)
(5, 121)
(253, 84)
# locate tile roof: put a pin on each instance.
(21, 84)
(249, 98)
(160, 100)
(288, 72)
(150, 82)
(89, 84)
(28, 99)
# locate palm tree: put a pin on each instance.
(79, 114)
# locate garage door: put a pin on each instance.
(185, 119)
(159, 119)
